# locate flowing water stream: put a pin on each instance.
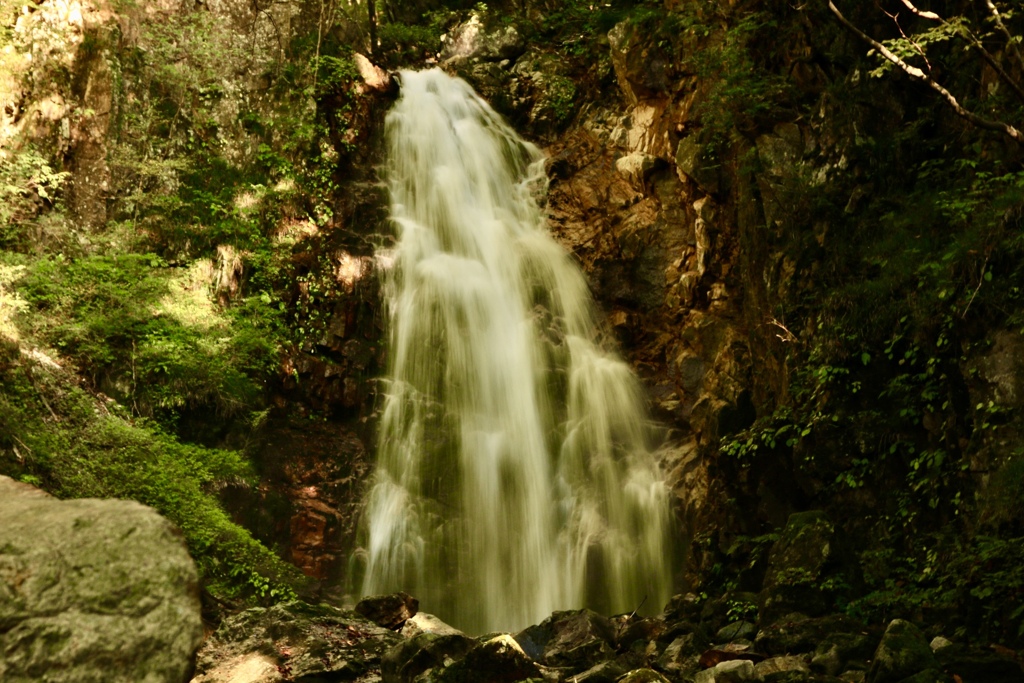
(513, 476)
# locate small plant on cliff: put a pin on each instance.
(28, 185)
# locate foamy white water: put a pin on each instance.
(513, 472)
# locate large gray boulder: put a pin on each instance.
(93, 591)
(575, 639)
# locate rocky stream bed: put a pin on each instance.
(692, 640)
(789, 632)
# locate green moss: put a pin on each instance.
(75, 446)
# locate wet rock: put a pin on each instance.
(797, 634)
(574, 639)
(308, 498)
(779, 154)
(498, 660)
(422, 622)
(777, 665)
(1001, 370)
(716, 612)
(374, 77)
(473, 40)
(544, 92)
(928, 676)
(737, 630)
(605, 672)
(640, 66)
(427, 652)
(389, 611)
(728, 672)
(799, 677)
(292, 641)
(636, 167)
(682, 656)
(730, 653)
(902, 653)
(633, 630)
(837, 652)
(977, 665)
(683, 607)
(643, 676)
(694, 162)
(93, 590)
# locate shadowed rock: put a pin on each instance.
(389, 611)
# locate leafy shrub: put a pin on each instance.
(972, 586)
(149, 335)
(402, 44)
(28, 184)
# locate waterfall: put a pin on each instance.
(513, 473)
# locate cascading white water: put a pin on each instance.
(513, 475)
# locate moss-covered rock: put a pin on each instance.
(903, 652)
(93, 590)
(807, 568)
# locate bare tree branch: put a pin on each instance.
(991, 61)
(917, 74)
(920, 50)
(1011, 44)
(924, 14)
(974, 42)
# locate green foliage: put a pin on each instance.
(402, 44)
(28, 184)
(149, 335)
(742, 89)
(972, 586)
(561, 97)
(170, 320)
(738, 610)
(915, 47)
(576, 26)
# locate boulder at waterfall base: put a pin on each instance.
(93, 591)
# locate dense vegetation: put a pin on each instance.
(140, 345)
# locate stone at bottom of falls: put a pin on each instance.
(422, 654)
(427, 623)
(643, 676)
(291, 641)
(499, 660)
(575, 639)
(93, 590)
(605, 672)
(779, 665)
(733, 671)
(903, 652)
(390, 611)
